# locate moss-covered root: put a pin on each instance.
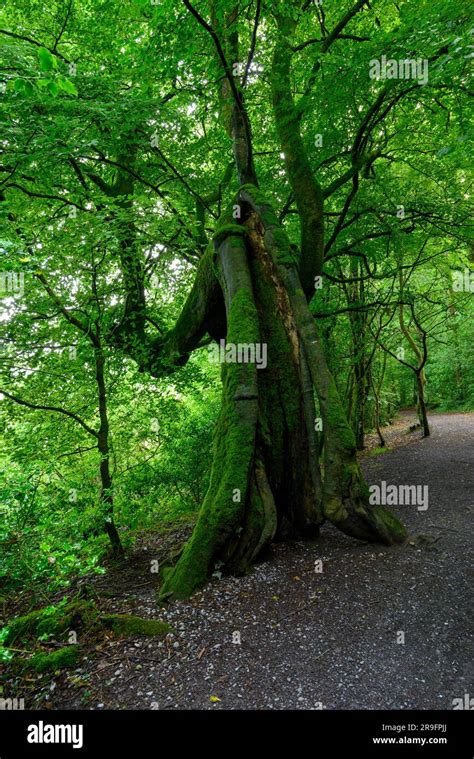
(76, 614)
(345, 494)
(128, 625)
(348, 508)
(51, 621)
(63, 657)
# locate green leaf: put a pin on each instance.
(53, 88)
(28, 88)
(47, 60)
(66, 85)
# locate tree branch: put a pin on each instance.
(56, 409)
(33, 42)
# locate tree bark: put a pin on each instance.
(345, 493)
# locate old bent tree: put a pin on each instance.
(271, 477)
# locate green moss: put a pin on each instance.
(243, 319)
(388, 526)
(51, 621)
(225, 230)
(281, 245)
(128, 625)
(234, 445)
(63, 657)
(21, 627)
(336, 420)
(265, 207)
(378, 451)
(75, 614)
(282, 404)
(334, 510)
(258, 197)
(275, 236)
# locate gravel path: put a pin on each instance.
(312, 639)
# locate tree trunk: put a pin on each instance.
(376, 392)
(106, 495)
(266, 481)
(266, 478)
(421, 356)
(421, 405)
(360, 384)
(355, 294)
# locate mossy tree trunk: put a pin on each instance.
(266, 480)
(345, 493)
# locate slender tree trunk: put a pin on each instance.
(355, 294)
(378, 391)
(360, 372)
(459, 374)
(350, 393)
(421, 356)
(375, 391)
(106, 494)
(421, 406)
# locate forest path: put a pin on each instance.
(321, 640)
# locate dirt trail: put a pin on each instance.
(317, 640)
